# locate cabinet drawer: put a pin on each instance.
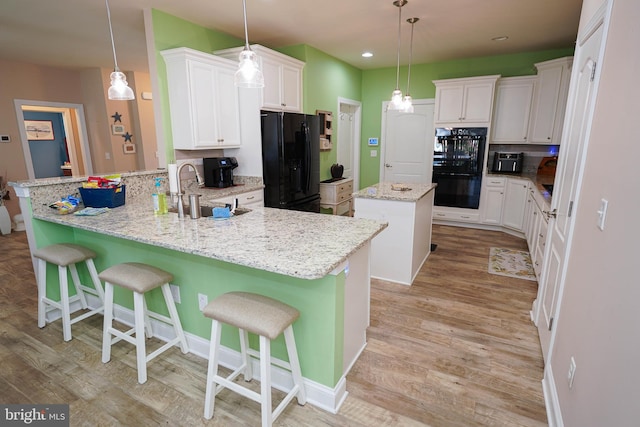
(344, 191)
(456, 216)
(495, 182)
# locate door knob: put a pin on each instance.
(387, 165)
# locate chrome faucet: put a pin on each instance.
(179, 182)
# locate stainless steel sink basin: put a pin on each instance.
(207, 211)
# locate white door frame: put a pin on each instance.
(357, 134)
(66, 110)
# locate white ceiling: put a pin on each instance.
(75, 33)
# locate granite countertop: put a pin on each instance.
(384, 191)
(298, 244)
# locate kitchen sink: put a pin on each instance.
(207, 211)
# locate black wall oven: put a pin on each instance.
(458, 159)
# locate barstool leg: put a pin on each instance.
(108, 322)
(265, 381)
(64, 302)
(173, 314)
(147, 320)
(77, 285)
(41, 279)
(212, 370)
(244, 345)
(95, 279)
(141, 351)
(295, 364)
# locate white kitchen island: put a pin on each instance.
(398, 252)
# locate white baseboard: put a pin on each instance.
(321, 396)
(554, 416)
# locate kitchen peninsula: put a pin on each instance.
(316, 263)
(398, 253)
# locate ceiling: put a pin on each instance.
(75, 33)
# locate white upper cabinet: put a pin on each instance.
(465, 102)
(514, 96)
(550, 100)
(203, 101)
(282, 78)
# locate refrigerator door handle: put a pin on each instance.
(307, 140)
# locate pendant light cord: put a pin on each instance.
(411, 21)
(400, 3)
(246, 33)
(113, 46)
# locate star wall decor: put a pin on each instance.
(117, 117)
(127, 137)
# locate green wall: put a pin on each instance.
(326, 78)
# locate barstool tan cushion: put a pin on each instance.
(252, 312)
(135, 276)
(64, 254)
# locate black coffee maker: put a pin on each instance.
(218, 171)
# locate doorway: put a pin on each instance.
(72, 125)
(348, 151)
(407, 148)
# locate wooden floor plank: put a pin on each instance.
(457, 348)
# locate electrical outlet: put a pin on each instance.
(175, 293)
(203, 300)
(572, 372)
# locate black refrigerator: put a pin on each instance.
(291, 160)
(458, 159)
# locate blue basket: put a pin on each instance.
(103, 197)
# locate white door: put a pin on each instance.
(407, 147)
(348, 139)
(567, 183)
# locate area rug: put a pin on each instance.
(511, 263)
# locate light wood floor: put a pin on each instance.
(455, 349)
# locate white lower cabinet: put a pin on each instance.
(493, 200)
(515, 201)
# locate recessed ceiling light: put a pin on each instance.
(500, 38)
(367, 54)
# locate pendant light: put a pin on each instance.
(396, 95)
(119, 90)
(407, 102)
(248, 74)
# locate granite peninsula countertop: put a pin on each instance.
(298, 244)
(384, 191)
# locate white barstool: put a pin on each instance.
(139, 278)
(267, 318)
(66, 256)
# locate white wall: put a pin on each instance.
(599, 321)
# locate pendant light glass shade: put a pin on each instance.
(119, 89)
(248, 74)
(396, 95)
(407, 101)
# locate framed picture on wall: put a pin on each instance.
(40, 130)
(117, 129)
(128, 148)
